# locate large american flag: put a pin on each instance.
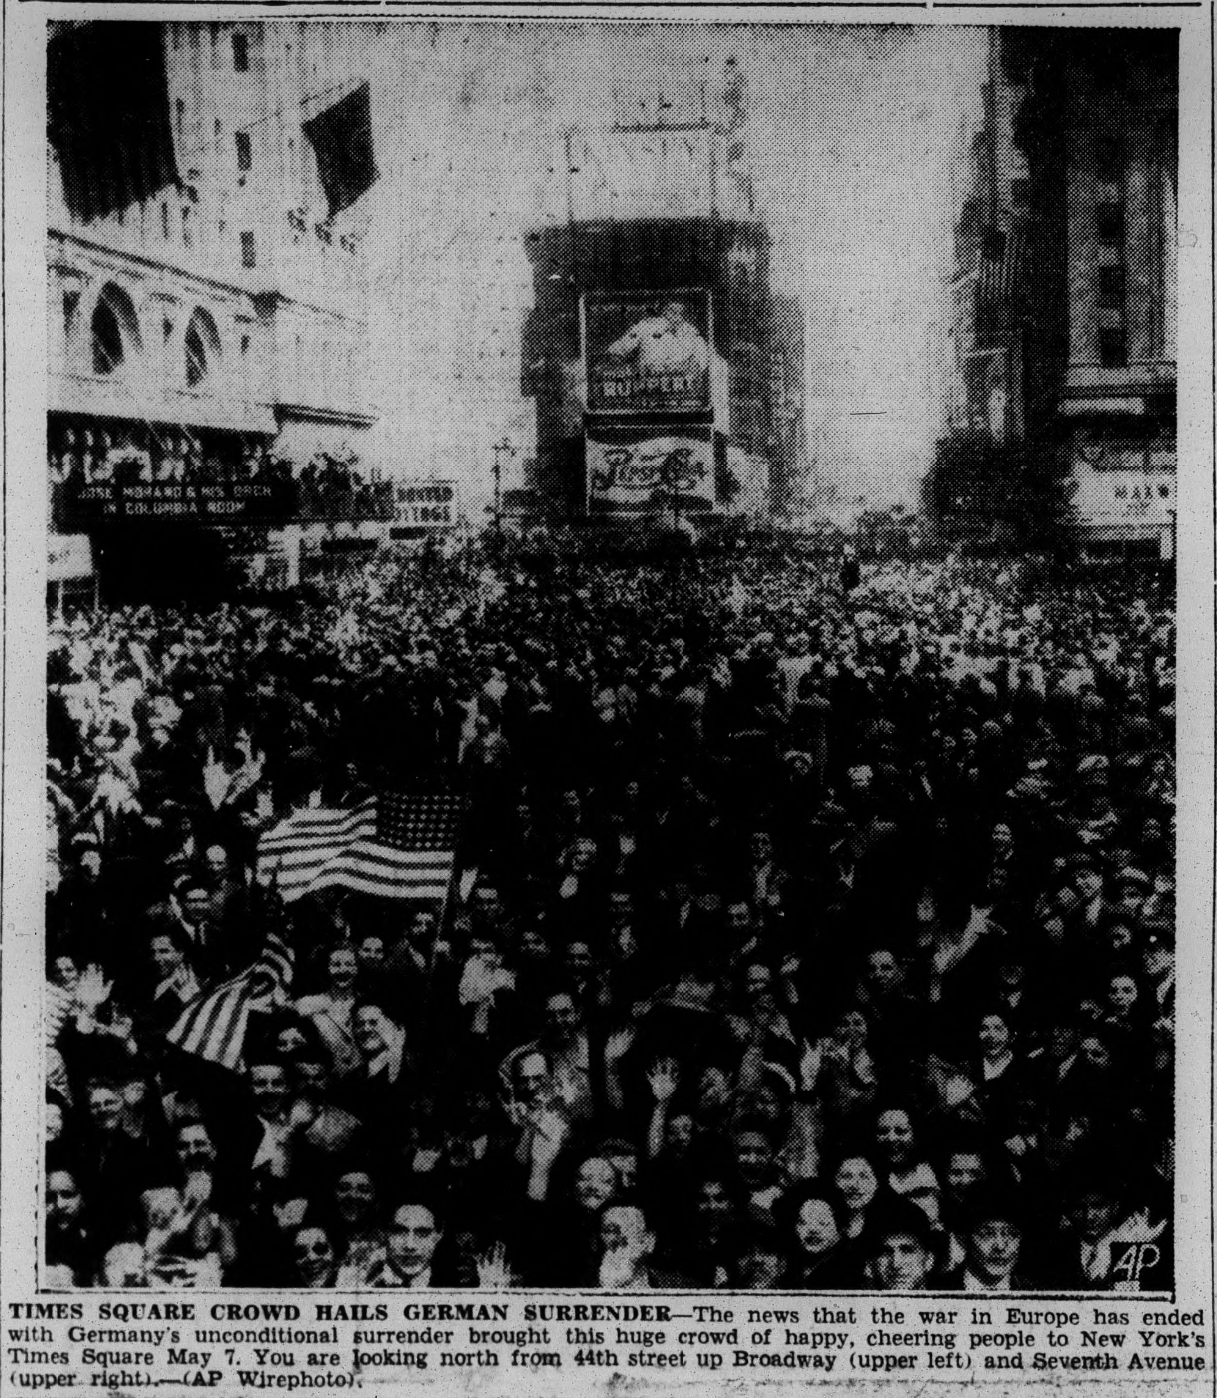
(214, 1023)
(392, 846)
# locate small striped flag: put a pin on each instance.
(391, 846)
(213, 1024)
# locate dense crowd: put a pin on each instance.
(813, 929)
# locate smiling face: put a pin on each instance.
(901, 1262)
(992, 1248)
(343, 967)
(857, 1182)
(354, 1198)
(816, 1227)
(595, 1184)
(994, 1036)
(894, 1137)
(313, 1255)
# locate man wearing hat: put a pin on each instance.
(992, 1232)
(900, 1247)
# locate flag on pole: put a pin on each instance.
(392, 846)
(341, 138)
(213, 1024)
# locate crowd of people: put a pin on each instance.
(811, 930)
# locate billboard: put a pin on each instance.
(648, 467)
(426, 504)
(648, 353)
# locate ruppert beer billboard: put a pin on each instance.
(648, 353)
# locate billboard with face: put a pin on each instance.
(648, 353)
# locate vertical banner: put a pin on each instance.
(649, 467)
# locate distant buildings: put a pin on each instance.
(1065, 292)
(207, 289)
(660, 222)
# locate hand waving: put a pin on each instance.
(664, 1078)
(493, 1269)
(92, 989)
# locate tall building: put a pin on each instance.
(651, 349)
(207, 287)
(1066, 264)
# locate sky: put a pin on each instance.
(853, 133)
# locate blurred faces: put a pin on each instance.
(561, 1017)
(194, 1148)
(882, 971)
(624, 1233)
(64, 1202)
(354, 1198)
(166, 959)
(753, 1157)
(370, 955)
(994, 1036)
(105, 1108)
(532, 1077)
(343, 968)
(964, 1169)
(1122, 994)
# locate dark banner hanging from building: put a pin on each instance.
(341, 137)
(648, 353)
(108, 114)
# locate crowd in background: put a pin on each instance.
(814, 929)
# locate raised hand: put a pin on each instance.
(493, 1269)
(92, 989)
(663, 1077)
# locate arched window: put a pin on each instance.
(114, 332)
(202, 347)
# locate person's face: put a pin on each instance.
(713, 1205)
(894, 1137)
(369, 1037)
(993, 1248)
(290, 1040)
(1129, 898)
(67, 974)
(857, 1182)
(1003, 838)
(533, 946)
(166, 959)
(64, 1203)
(1122, 994)
(994, 1036)
(739, 920)
(1095, 1054)
(531, 1077)
(105, 1108)
(354, 1197)
(371, 954)
(623, 1231)
(758, 981)
(964, 1169)
(579, 960)
(815, 1227)
(421, 928)
(680, 1132)
(1159, 960)
(343, 968)
(595, 1184)
(760, 1267)
(54, 1122)
(882, 971)
(753, 1157)
(217, 860)
(1089, 884)
(901, 1263)
(413, 1238)
(313, 1254)
(268, 1087)
(852, 1028)
(194, 1148)
(161, 1207)
(561, 1017)
(1094, 1214)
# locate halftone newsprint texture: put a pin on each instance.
(607, 697)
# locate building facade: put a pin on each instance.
(660, 221)
(1065, 293)
(223, 313)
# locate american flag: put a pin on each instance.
(391, 846)
(213, 1024)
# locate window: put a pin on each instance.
(1109, 223)
(240, 53)
(249, 250)
(1113, 348)
(165, 220)
(202, 347)
(71, 311)
(219, 135)
(114, 329)
(1111, 287)
(187, 231)
(244, 345)
(179, 116)
(245, 157)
